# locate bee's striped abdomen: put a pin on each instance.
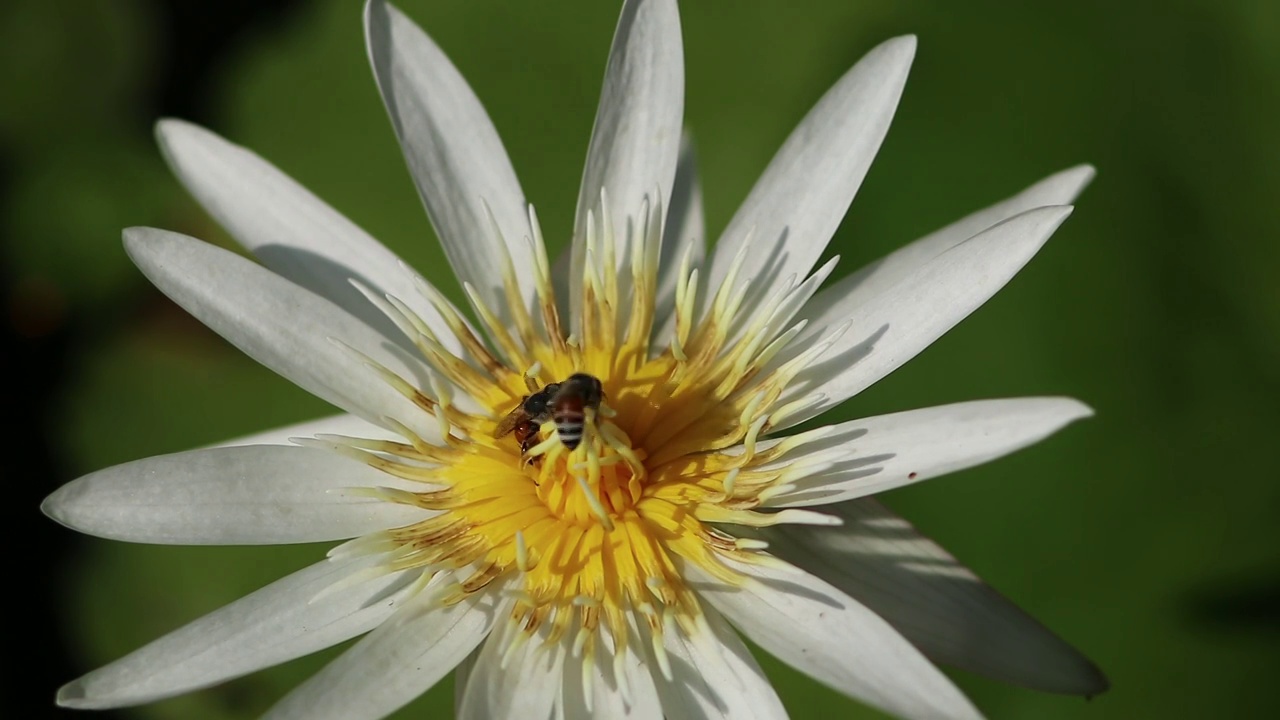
(570, 420)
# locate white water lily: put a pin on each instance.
(610, 579)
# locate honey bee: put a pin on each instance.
(564, 402)
(569, 405)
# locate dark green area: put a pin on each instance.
(1146, 536)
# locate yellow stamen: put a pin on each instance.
(590, 545)
(522, 553)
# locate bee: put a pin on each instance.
(526, 418)
(564, 402)
(569, 405)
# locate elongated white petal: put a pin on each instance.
(265, 494)
(714, 677)
(281, 325)
(290, 230)
(392, 665)
(513, 684)
(297, 615)
(607, 700)
(824, 633)
(635, 143)
(824, 311)
(684, 235)
(344, 424)
(941, 606)
(461, 676)
(890, 328)
(453, 152)
(863, 457)
(795, 207)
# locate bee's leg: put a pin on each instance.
(525, 446)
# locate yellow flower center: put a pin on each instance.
(599, 534)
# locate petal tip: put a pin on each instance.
(135, 238)
(174, 135)
(73, 695)
(174, 125)
(902, 46)
(890, 61)
(1094, 682)
(1099, 683)
(1079, 677)
(167, 126)
(1076, 410)
(1063, 186)
(1086, 171)
(54, 506)
(1062, 410)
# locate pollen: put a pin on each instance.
(592, 538)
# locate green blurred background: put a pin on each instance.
(1146, 536)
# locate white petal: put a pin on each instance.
(635, 143)
(714, 676)
(890, 328)
(290, 230)
(526, 688)
(824, 633)
(864, 457)
(453, 152)
(349, 425)
(297, 615)
(461, 676)
(266, 494)
(798, 203)
(607, 699)
(281, 325)
(879, 559)
(684, 233)
(1059, 189)
(392, 665)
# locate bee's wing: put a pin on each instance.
(509, 423)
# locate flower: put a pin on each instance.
(591, 549)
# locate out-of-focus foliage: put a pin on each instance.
(1146, 536)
